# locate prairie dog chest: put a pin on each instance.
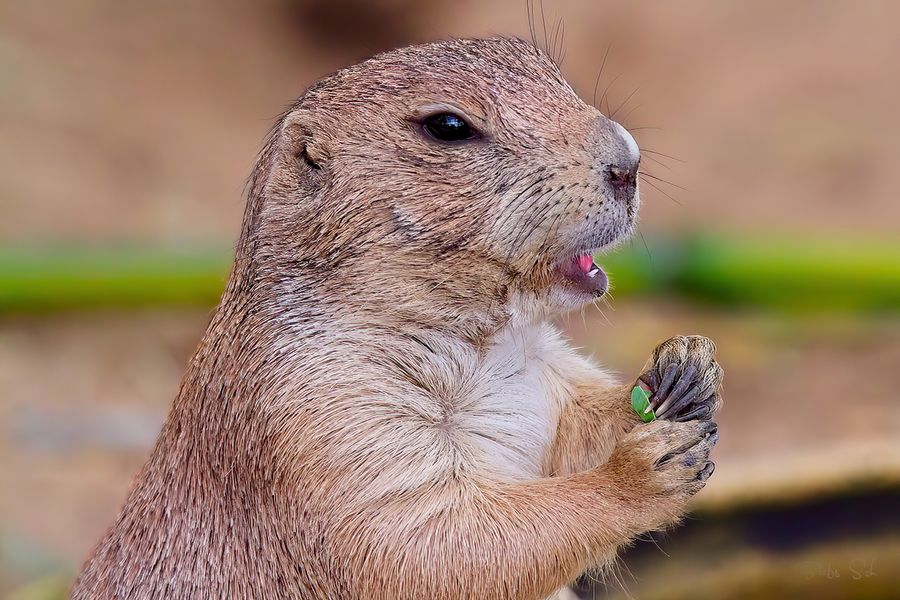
(509, 401)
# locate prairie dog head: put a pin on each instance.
(463, 172)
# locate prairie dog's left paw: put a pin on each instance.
(684, 379)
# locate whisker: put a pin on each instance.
(544, 25)
(529, 6)
(628, 114)
(663, 193)
(608, 299)
(661, 180)
(600, 310)
(658, 162)
(562, 42)
(646, 247)
(600, 74)
(662, 154)
(605, 92)
(624, 102)
(609, 305)
(554, 31)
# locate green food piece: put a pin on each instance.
(640, 401)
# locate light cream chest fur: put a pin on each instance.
(509, 400)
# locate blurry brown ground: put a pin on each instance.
(140, 121)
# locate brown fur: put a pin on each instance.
(327, 440)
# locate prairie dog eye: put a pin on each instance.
(448, 127)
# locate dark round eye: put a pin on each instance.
(448, 127)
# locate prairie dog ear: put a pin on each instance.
(302, 143)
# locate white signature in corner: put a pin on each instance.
(856, 569)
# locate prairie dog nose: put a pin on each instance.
(622, 176)
(618, 154)
(624, 171)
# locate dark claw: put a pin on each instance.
(678, 405)
(708, 397)
(666, 383)
(682, 449)
(684, 382)
(706, 471)
(697, 413)
(710, 427)
(651, 378)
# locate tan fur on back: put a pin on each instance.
(379, 408)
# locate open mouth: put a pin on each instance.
(583, 274)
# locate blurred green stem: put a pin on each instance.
(783, 274)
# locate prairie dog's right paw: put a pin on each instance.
(684, 379)
(662, 464)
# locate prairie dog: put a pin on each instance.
(380, 407)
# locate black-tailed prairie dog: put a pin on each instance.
(380, 407)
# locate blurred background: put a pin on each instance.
(771, 137)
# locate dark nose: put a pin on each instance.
(623, 177)
(620, 156)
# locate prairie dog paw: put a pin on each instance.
(684, 379)
(663, 464)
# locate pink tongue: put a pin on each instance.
(585, 262)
